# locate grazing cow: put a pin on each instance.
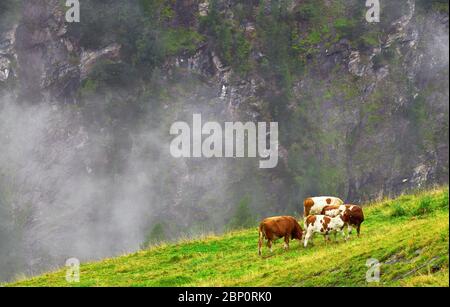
(356, 216)
(315, 205)
(325, 225)
(274, 228)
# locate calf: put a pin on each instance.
(356, 216)
(315, 205)
(277, 227)
(325, 225)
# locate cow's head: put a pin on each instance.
(297, 233)
(345, 216)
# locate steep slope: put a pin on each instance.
(409, 236)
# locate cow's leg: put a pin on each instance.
(343, 235)
(286, 242)
(326, 237)
(311, 238)
(335, 236)
(350, 229)
(307, 237)
(358, 230)
(260, 243)
(269, 245)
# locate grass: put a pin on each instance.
(408, 235)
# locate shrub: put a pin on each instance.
(181, 40)
(220, 30)
(397, 210)
(425, 206)
(242, 50)
(369, 40)
(443, 203)
(308, 11)
(88, 87)
(387, 56)
(155, 236)
(108, 73)
(438, 5)
(149, 51)
(242, 217)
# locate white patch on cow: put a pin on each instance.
(333, 212)
(321, 202)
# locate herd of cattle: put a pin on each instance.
(324, 215)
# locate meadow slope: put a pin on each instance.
(408, 235)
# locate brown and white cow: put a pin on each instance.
(356, 216)
(277, 227)
(315, 205)
(325, 225)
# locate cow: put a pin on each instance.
(325, 225)
(356, 216)
(315, 205)
(277, 227)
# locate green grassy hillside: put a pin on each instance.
(409, 235)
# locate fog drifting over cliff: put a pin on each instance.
(62, 198)
(48, 173)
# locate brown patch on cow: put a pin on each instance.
(307, 205)
(354, 208)
(345, 216)
(328, 201)
(326, 221)
(311, 220)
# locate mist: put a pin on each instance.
(56, 196)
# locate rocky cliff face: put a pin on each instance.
(363, 112)
(7, 55)
(51, 63)
(377, 122)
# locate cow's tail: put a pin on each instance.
(358, 229)
(262, 235)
